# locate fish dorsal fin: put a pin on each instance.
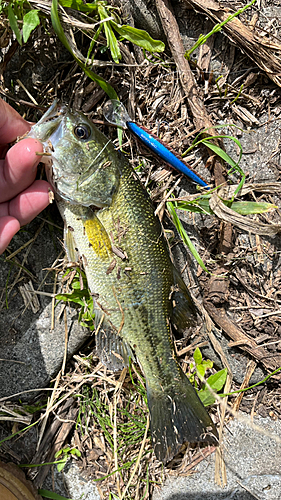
(113, 351)
(183, 313)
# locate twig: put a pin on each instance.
(48, 409)
(65, 343)
(11, 396)
(27, 92)
(167, 195)
(251, 366)
(248, 344)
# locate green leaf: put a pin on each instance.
(52, 495)
(76, 452)
(88, 321)
(197, 356)
(200, 205)
(86, 325)
(221, 153)
(81, 297)
(206, 397)
(87, 315)
(203, 38)
(217, 381)
(139, 37)
(112, 42)
(79, 5)
(184, 235)
(14, 23)
(30, 21)
(77, 296)
(63, 38)
(61, 465)
(93, 41)
(110, 36)
(76, 284)
(250, 207)
(234, 165)
(208, 364)
(200, 370)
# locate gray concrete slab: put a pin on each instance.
(253, 466)
(69, 483)
(37, 356)
(79, 487)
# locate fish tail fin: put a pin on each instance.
(177, 417)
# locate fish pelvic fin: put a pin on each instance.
(178, 417)
(113, 351)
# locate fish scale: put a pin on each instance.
(110, 226)
(151, 259)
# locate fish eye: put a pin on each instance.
(82, 132)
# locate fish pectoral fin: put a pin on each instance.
(113, 351)
(70, 246)
(183, 312)
(97, 237)
(177, 417)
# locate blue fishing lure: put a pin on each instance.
(115, 112)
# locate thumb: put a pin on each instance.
(12, 124)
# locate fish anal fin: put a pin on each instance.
(113, 351)
(183, 313)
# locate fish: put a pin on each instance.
(110, 227)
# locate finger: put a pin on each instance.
(12, 125)
(9, 226)
(19, 168)
(30, 202)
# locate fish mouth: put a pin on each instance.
(49, 129)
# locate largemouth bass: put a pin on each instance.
(110, 226)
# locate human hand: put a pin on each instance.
(21, 196)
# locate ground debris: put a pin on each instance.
(243, 294)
